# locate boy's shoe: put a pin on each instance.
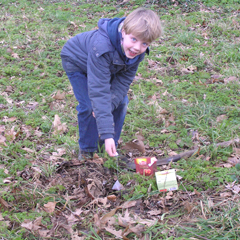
(82, 155)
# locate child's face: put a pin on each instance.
(133, 46)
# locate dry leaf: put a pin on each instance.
(32, 226)
(32, 105)
(210, 203)
(3, 140)
(94, 188)
(139, 136)
(118, 233)
(208, 158)
(138, 229)
(151, 63)
(4, 203)
(197, 193)
(147, 222)
(179, 178)
(72, 219)
(221, 118)
(139, 145)
(98, 161)
(124, 221)
(95, 156)
(236, 189)
(129, 204)
(163, 111)
(101, 222)
(11, 134)
(188, 206)
(27, 224)
(49, 207)
(226, 165)
(107, 216)
(74, 24)
(225, 194)
(205, 35)
(169, 195)
(124, 1)
(233, 161)
(170, 154)
(97, 201)
(236, 150)
(59, 95)
(164, 131)
(43, 233)
(38, 133)
(2, 128)
(159, 82)
(112, 198)
(7, 180)
(11, 119)
(15, 55)
(36, 169)
(165, 94)
(171, 118)
(154, 212)
(74, 236)
(58, 126)
(82, 25)
(37, 223)
(56, 121)
(9, 89)
(230, 79)
(188, 70)
(60, 152)
(28, 150)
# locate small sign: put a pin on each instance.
(166, 180)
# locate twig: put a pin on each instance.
(202, 210)
(193, 152)
(186, 191)
(167, 160)
(79, 178)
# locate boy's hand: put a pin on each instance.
(110, 147)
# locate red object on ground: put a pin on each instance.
(146, 165)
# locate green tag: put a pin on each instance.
(166, 180)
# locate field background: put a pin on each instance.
(185, 96)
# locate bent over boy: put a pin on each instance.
(101, 64)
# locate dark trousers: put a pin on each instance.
(88, 133)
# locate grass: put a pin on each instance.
(215, 225)
(192, 73)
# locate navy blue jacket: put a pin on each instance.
(108, 76)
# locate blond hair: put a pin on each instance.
(144, 24)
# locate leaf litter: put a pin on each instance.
(87, 194)
(89, 187)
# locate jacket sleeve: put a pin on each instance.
(106, 91)
(120, 85)
(99, 90)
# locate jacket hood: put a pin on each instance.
(110, 27)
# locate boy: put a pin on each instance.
(101, 64)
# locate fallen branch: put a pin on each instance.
(167, 160)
